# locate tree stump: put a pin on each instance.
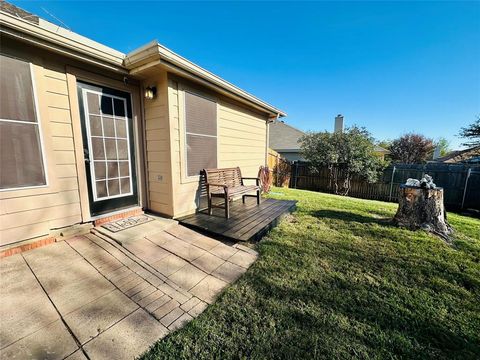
(420, 208)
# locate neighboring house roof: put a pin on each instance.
(283, 137)
(467, 155)
(381, 150)
(27, 27)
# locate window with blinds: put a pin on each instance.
(201, 133)
(21, 157)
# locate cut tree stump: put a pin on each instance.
(420, 208)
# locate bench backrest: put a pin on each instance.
(230, 177)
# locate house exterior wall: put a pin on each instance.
(158, 154)
(241, 141)
(31, 213)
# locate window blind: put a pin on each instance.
(21, 158)
(201, 133)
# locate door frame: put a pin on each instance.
(75, 74)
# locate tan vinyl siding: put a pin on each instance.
(26, 214)
(157, 137)
(241, 142)
(242, 138)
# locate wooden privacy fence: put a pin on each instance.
(281, 168)
(461, 183)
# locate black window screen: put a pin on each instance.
(21, 160)
(201, 133)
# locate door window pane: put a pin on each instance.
(100, 170)
(113, 187)
(108, 127)
(101, 188)
(125, 185)
(93, 103)
(96, 125)
(119, 107)
(122, 149)
(121, 128)
(124, 168)
(98, 149)
(106, 105)
(112, 169)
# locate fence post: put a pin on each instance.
(391, 184)
(466, 184)
(296, 174)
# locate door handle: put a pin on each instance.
(86, 156)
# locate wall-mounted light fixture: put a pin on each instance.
(150, 92)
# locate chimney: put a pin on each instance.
(338, 123)
(436, 153)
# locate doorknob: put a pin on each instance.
(86, 156)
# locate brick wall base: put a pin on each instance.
(57, 236)
(119, 216)
(36, 243)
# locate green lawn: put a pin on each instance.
(337, 280)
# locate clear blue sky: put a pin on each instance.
(392, 67)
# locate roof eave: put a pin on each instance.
(153, 54)
(60, 40)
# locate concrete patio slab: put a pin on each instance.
(208, 288)
(77, 355)
(94, 297)
(127, 339)
(208, 262)
(98, 315)
(50, 342)
(36, 309)
(169, 264)
(229, 272)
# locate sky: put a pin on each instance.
(392, 67)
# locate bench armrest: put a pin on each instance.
(225, 187)
(257, 180)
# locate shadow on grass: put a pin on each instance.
(350, 216)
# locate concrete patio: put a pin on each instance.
(91, 297)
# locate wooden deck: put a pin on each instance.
(247, 221)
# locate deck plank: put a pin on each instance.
(247, 221)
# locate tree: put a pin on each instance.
(385, 144)
(411, 149)
(344, 154)
(472, 133)
(444, 146)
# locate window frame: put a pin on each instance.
(184, 152)
(38, 123)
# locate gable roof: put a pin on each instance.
(27, 27)
(380, 149)
(467, 155)
(283, 137)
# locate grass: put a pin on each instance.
(337, 280)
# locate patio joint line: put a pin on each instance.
(140, 262)
(115, 286)
(58, 312)
(181, 257)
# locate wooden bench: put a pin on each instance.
(228, 183)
